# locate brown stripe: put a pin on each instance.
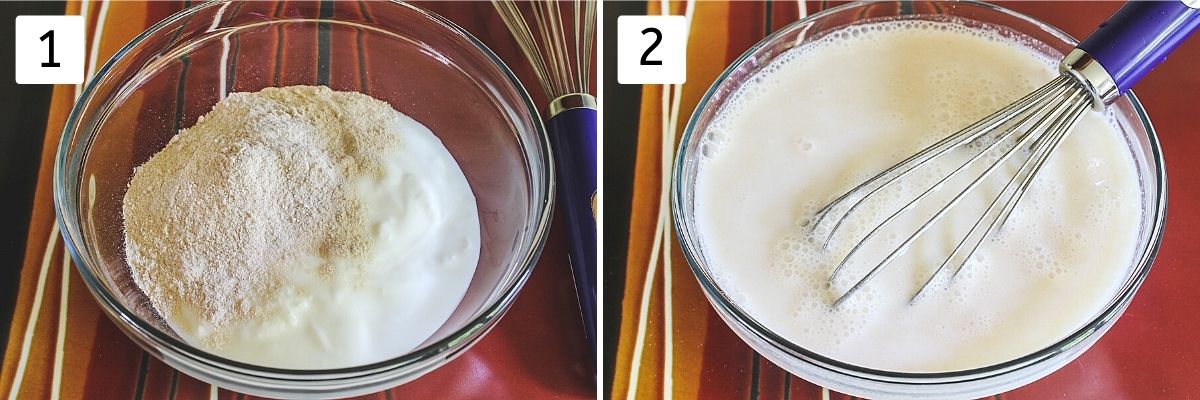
(802, 389)
(361, 50)
(112, 378)
(745, 23)
(641, 224)
(139, 389)
(725, 355)
(189, 388)
(278, 46)
(785, 13)
(254, 72)
(324, 31)
(297, 50)
(159, 380)
(174, 389)
(771, 381)
(345, 50)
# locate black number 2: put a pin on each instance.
(657, 39)
(49, 36)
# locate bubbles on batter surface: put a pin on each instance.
(951, 81)
(803, 144)
(799, 263)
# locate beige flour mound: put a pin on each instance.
(263, 182)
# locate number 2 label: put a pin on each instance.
(657, 39)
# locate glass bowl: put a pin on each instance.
(420, 63)
(873, 383)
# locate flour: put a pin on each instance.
(262, 183)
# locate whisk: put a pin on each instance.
(560, 52)
(1098, 71)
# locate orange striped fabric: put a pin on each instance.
(1147, 354)
(60, 345)
(707, 359)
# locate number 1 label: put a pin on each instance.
(50, 36)
(651, 49)
(49, 49)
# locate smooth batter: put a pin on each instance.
(823, 117)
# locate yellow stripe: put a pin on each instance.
(643, 315)
(94, 55)
(83, 10)
(33, 313)
(671, 128)
(56, 380)
(671, 99)
(64, 297)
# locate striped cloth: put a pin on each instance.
(672, 344)
(61, 346)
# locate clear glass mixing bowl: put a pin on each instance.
(423, 65)
(873, 383)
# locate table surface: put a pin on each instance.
(1149, 353)
(59, 343)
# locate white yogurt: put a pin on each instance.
(824, 117)
(427, 240)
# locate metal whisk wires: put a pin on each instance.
(556, 38)
(1033, 127)
(560, 52)
(1100, 69)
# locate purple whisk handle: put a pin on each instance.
(572, 130)
(1139, 36)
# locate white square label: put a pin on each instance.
(651, 49)
(49, 49)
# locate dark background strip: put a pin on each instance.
(622, 105)
(23, 111)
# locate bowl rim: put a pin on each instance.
(455, 343)
(1140, 268)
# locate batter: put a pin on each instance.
(826, 116)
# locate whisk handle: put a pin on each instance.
(1139, 36)
(572, 134)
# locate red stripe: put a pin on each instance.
(784, 13)
(298, 65)
(235, 47)
(803, 390)
(724, 356)
(112, 373)
(770, 380)
(745, 27)
(190, 388)
(158, 380)
(344, 50)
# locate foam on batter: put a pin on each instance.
(825, 116)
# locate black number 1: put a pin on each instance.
(657, 39)
(50, 36)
